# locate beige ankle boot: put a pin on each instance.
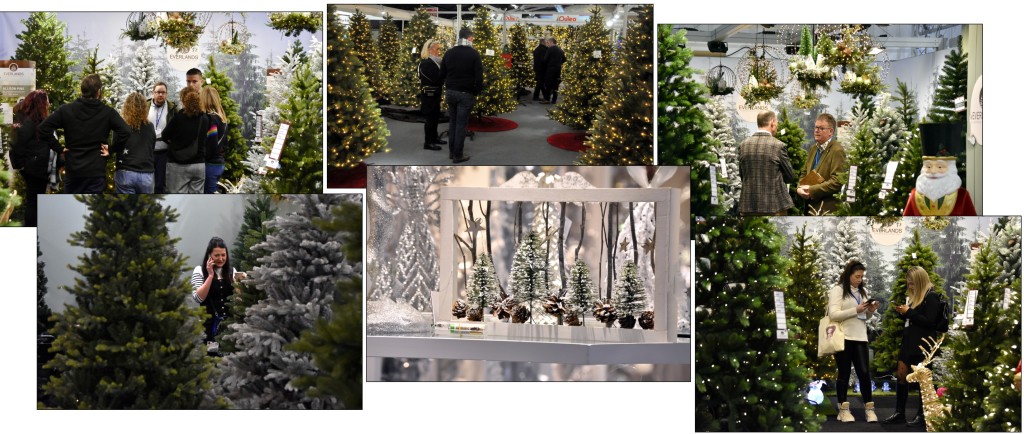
(844, 413)
(869, 409)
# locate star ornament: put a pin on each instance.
(624, 246)
(648, 246)
(475, 226)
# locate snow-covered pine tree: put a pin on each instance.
(845, 249)
(580, 297)
(888, 129)
(299, 276)
(142, 74)
(1006, 243)
(130, 342)
(245, 255)
(483, 287)
(724, 147)
(529, 266)
(629, 298)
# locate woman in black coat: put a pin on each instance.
(923, 315)
(30, 156)
(429, 71)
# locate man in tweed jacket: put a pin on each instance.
(765, 170)
(828, 158)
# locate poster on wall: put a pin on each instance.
(17, 78)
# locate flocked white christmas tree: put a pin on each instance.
(113, 88)
(299, 277)
(529, 267)
(580, 297)
(724, 147)
(888, 130)
(629, 299)
(483, 287)
(142, 74)
(416, 270)
(845, 249)
(1006, 244)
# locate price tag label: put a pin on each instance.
(972, 299)
(597, 54)
(890, 173)
(273, 160)
(413, 50)
(851, 185)
(714, 186)
(489, 52)
(721, 164)
(1006, 298)
(780, 316)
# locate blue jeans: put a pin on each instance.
(213, 173)
(126, 181)
(459, 105)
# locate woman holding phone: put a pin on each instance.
(212, 287)
(849, 305)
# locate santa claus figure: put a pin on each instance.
(939, 191)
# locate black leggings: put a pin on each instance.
(856, 353)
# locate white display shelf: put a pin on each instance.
(528, 350)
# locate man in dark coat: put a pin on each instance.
(462, 71)
(539, 67)
(553, 71)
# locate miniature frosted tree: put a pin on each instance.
(724, 148)
(142, 74)
(299, 275)
(581, 290)
(529, 266)
(630, 298)
(130, 342)
(483, 287)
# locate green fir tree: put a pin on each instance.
(130, 342)
(43, 312)
(421, 28)
(909, 168)
(906, 105)
(366, 51)
(864, 153)
(44, 41)
(584, 74)
(237, 146)
(498, 95)
(975, 350)
(887, 346)
(683, 129)
(622, 133)
(1002, 404)
(389, 47)
(807, 286)
(1006, 243)
(790, 133)
(355, 129)
(522, 58)
(952, 85)
(302, 157)
(747, 379)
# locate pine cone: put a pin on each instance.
(475, 314)
(520, 314)
(572, 318)
(459, 309)
(605, 312)
(647, 320)
(503, 308)
(553, 305)
(627, 322)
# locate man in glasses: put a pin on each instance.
(826, 165)
(161, 110)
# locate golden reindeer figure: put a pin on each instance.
(932, 408)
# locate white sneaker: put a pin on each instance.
(844, 413)
(869, 411)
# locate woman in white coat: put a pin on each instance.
(848, 305)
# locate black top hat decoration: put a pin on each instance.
(942, 140)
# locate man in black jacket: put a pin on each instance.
(539, 66)
(462, 71)
(553, 71)
(87, 124)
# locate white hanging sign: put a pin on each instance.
(273, 160)
(597, 54)
(183, 60)
(1006, 298)
(489, 52)
(972, 299)
(851, 185)
(781, 332)
(714, 186)
(6, 114)
(17, 78)
(890, 173)
(721, 164)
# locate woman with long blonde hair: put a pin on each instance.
(923, 315)
(135, 166)
(209, 101)
(429, 72)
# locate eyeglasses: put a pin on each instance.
(160, 92)
(817, 128)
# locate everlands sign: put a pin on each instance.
(17, 78)
(183, 60)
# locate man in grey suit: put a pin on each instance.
(765, 171)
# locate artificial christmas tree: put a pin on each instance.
(580, 296)
(245, 255)
(529, 267)
(905, 180)
(498, 95)
(683, 129)
(807, 286)
(389, 49)
(790, 133)
(365, 49)
(1002, 404)
(906, 102)
(43, 323)
(887, 346)
(337, 345)
(44, 41)
(845, 248)
(975, 350)
(747, 379)
(888, 130)
(235, 146)
(142, 74)
(130, 342)
(952, 85)
(483, 287)
(1006, 241)
(863, 153)
(299, 276)
(723, 145)
(622, 132)
(522, 58)
(584, 74)
(355, 129)
(629, 298)
(302, 157)
(421, 28)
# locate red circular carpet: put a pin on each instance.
(487, 124)
(347, 178)
(569, 141)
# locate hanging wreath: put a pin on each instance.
(806, 101)
(294, 23)
(181, 30)
(140, 26)
(851, 48)
(232, 37)
(762, 83)
(862, 80)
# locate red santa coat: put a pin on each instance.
(962, 205)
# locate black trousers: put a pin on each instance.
(551, 90)
(431, 108)
(160, 171)
(459, 106)
(856, 353)
(85, 185)
(538, 88)
(34, 186)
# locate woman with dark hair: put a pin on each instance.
(212, 287)
(30, 155)
(135, 165)
(209, 100)
(848, 305)
(923, 313)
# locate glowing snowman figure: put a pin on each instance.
(814, 396)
